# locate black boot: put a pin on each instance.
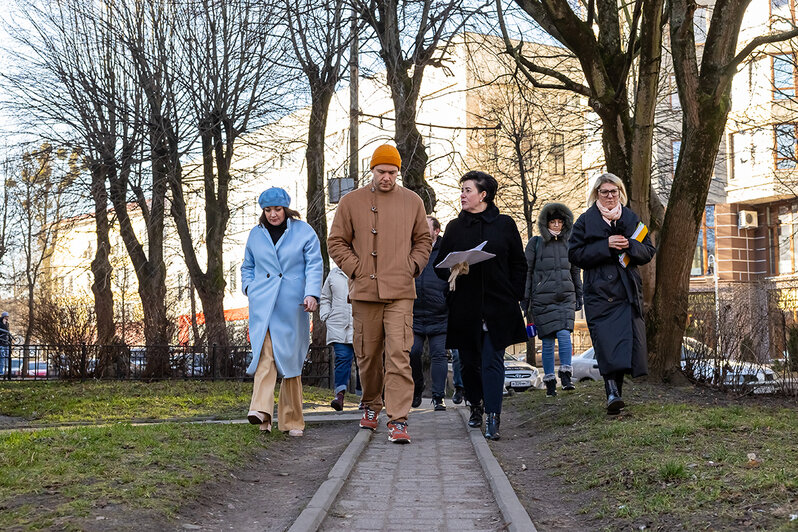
(619, 383)
(457, 398)
(476, 416)
(565, 380)
(492, 421)
(614, 401)
(551, 388)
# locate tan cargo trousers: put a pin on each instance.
(383, 336)
(289, 404)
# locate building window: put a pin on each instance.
(676, 147)
(558, 153)
(782, 228)
(785, 138)
(233, 278)
(674, 93)
(783, 76)
(337, 187)
(700, 24)
(365, 166)
(705, 246)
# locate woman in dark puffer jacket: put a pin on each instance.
(554, 291)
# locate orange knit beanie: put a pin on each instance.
(386, 154)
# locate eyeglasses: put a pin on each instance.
(609, 193)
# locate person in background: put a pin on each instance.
(5, 344)
(554, 291)
(380, 239)
(281, 276)
(429, 324)
(457, 377)
(604, 245)
(336, 313)
(484, 310)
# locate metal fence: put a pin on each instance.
(126, 362)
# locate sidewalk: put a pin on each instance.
(435, 483)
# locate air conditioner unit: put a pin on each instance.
(747, 220)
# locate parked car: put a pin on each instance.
(585, 366)
(702, 363)
(518, 375)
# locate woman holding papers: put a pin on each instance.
(609, 242)
(484, 312)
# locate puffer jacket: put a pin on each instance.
(553, 284)
(429, 310)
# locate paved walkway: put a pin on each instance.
(445, 480)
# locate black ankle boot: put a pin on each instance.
(565, 380)
(476, 416)
(551, 388)
(492, 421)
(619, 383)
(614, 401)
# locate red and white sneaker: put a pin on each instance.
(398, 432)
(369, 419)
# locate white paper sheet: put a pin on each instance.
(471, 256)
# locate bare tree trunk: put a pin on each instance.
(101, 265)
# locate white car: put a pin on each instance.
(700, 362)
(585, 367)
(518, 375)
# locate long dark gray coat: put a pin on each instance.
(613, 294)
(553, 284)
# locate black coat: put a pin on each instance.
(492, 289)
(613, 294)
(553, 284)
(429, 309)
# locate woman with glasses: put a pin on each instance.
(609, 242)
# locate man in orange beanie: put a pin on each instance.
(380, 239)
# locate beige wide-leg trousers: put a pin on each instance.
(383, 336)
(289, 404)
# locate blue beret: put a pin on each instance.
(274, 197)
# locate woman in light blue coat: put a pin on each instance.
(281, 275)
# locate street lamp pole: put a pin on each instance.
(712, 263)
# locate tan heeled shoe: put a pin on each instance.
(255, 417)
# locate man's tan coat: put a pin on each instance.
(381, 241)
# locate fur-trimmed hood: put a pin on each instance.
(564, 213)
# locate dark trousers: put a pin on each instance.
(439, 365)
(483, 375)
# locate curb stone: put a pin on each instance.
(316, 510)
(515, 515)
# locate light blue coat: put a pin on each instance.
(276, 279)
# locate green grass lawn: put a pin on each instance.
(51, 476)
(102, 401)
(691, 456)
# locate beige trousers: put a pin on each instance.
(289, 404)
(383, 336)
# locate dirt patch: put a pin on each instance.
(270, 493)
(525, 455)
(266, 494)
